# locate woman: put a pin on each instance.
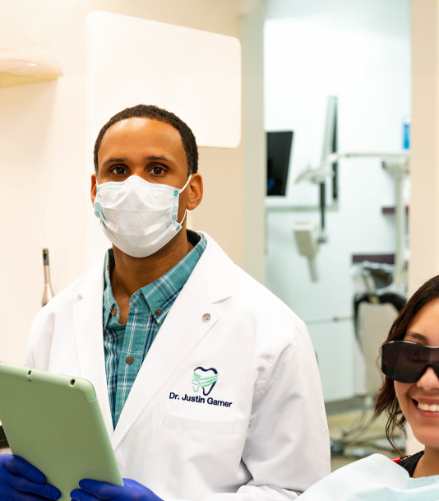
(410, 392)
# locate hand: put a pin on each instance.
(131, 491)
(20, 481)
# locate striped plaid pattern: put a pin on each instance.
(149, 307)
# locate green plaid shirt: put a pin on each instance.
(125, 346)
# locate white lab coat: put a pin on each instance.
(267, 440)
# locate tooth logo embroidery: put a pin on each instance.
(205, 379)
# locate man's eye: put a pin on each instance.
(157, 171)
(118, 170)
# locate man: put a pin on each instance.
(207, 382)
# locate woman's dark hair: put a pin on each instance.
(386, 398)
(155, 113)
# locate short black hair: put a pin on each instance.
(155, 113)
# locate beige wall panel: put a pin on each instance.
(424, 161)
(221, 212)
(424, 158)
(253, 138)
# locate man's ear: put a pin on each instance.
(93, 188)
(195, 191)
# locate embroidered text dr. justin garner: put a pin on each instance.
(199, 400)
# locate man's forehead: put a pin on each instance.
(140, 126)
(142, 132)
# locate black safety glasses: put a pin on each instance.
(406, 362)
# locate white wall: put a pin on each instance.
(360, 52)
(43, 200)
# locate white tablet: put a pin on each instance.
(55, 423)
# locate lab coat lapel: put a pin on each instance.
(190, 318)
(87, 316)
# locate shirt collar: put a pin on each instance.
(159, 295)
(108, 299)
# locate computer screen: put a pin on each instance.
(279, 145)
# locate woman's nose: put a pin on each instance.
(429, 380)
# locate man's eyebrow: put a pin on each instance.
(419, 337)
(114, 160)
(157, 157)
(148, 158)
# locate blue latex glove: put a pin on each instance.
(91, 490)
(20, 481)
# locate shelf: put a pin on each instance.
(373, 258)
(391, 210)
(26, 67)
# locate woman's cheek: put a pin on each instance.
(402, 394)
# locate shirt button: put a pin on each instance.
(206, 317)
(114, 312)
(158, 311)
(129, 360)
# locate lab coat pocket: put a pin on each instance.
(194, 425)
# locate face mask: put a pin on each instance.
(138, 217)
